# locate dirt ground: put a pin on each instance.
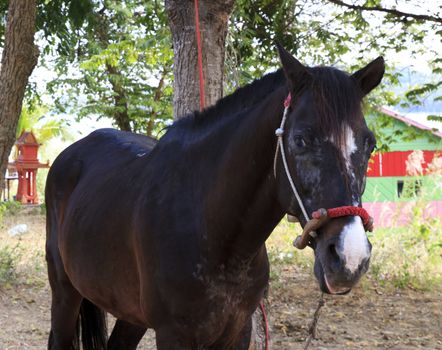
(368, 318)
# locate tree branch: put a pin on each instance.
(390, 11)
(158, 94)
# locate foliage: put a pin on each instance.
(22, 257)
(120, 65)
(56, 20)
(9, 208)
(305, 28)
(280, 246)
(34, 116)
(9, 257)
(318, 33)
(416, 33)
(409, 256)
(114, 58)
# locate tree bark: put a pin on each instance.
(214, 16)
(20, 55)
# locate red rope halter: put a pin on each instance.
(346, 211)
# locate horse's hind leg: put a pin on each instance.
(65, 308)
(125, 336)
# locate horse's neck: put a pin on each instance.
(242, 208)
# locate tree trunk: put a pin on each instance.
(19, 58)
(214, 16)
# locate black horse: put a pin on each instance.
(170, 235)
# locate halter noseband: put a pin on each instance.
(320, 216)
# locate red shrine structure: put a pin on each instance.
(26, 165)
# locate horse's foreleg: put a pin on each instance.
(244, 341)
(168, 340)
(237, 341)
(125, 336)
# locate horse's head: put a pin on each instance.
(327, 146)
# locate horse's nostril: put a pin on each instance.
(334, 254)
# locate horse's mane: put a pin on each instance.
(241, 99)
(337, 102)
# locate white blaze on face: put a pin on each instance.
(349, 147)
(353, 244)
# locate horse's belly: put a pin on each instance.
(101, 264)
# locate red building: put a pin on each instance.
(26, 166)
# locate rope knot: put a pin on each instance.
(279, 132)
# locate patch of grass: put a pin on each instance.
(282, 253)
(409, 256)
(10, 208)
(22, 257)
(280, 246)
(9, 258)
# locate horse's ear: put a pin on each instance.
(371, 75)
(295, 72)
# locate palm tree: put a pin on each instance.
(34, 117)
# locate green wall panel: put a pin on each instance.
(385, 189)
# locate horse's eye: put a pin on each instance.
(299, 141)
(370, 143)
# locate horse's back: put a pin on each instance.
(101, 152)
(103, 144)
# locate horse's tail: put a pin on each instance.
(93, 326)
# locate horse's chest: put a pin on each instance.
(223, 311)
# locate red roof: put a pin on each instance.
(409, 121)
(27, 138)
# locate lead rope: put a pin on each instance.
(313, 326)
(266, 324)
(280, 147)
